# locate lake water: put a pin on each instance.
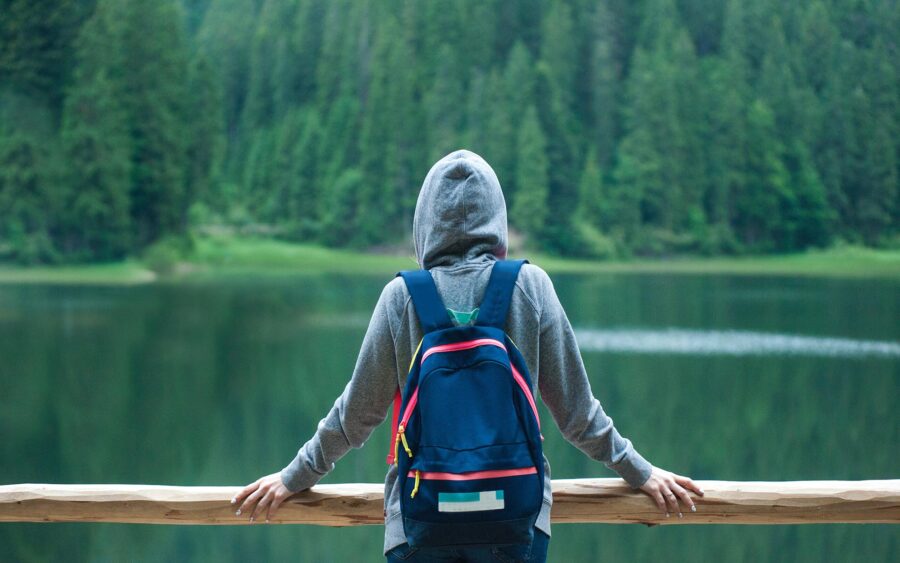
(717, 377)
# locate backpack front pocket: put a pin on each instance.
(469, 420)
(496, 506)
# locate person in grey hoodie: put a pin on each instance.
(459, 230)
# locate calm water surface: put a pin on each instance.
(717, 377)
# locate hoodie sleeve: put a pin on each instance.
(566, 391)
(360, 408)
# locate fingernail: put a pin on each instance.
(693, 508)
(667, 514)
(238, 513)
(267, 520)
(232, 500)
(702, 492)
(680, 515)
(251, 518)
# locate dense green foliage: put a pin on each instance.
(617, 127)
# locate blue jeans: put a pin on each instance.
(534, 553)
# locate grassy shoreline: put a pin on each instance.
(221, 256)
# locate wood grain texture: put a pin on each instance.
(608, 501)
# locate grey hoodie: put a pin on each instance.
(460, 230)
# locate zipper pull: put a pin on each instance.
(416, 486)
(402, 437)
(397, 448)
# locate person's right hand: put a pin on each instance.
(666, 488)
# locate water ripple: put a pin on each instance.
(729, 343)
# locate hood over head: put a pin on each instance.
(460, 213)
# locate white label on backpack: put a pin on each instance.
(470, 502)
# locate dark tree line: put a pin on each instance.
(616, 127)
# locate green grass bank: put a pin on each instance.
(224, 256)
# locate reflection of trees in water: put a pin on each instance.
(220, 383)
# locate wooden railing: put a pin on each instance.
(608, 501)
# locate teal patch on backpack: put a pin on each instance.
(470, 502)
(462, 318)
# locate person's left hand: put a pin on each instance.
(666, 488)
(265, 494)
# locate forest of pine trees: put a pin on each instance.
(616, 127)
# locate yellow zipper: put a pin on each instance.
(416, 486)
(401, 437)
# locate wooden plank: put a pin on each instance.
(734, 502)
(608, 501)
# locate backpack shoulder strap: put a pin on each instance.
(497, 296)
(426, 300)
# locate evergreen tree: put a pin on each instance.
(519, 80)
(223, 39)
(817, 43)
(206, 144)
(759, 220)
(703, 19)
(530, 210)
(883, 82)
(686, 142)
(338, 70)
(305, 191)
(296, 192)
(834, 134)
(518, 93)
(297, 56)
(340, 216)
(629, 177)
(477, 31)
(662, 154)
(809, 219)
(286, 136)
(26, 196)
(500, 132)
(477, 113)
(605, 86)
(269, 43)
(556, 89)
(592, 203)
(660, 25)
(647, 135)
(386, 138)
(777, 85)
(97, 146)
(260, 173)
(745, 32)
(155, 100)
(443, 109)
(36, 45)
(338, 143)
(559, 55)
(725, 139)
(708, 126)
(870, 174)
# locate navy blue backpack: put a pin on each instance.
(471, 467)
